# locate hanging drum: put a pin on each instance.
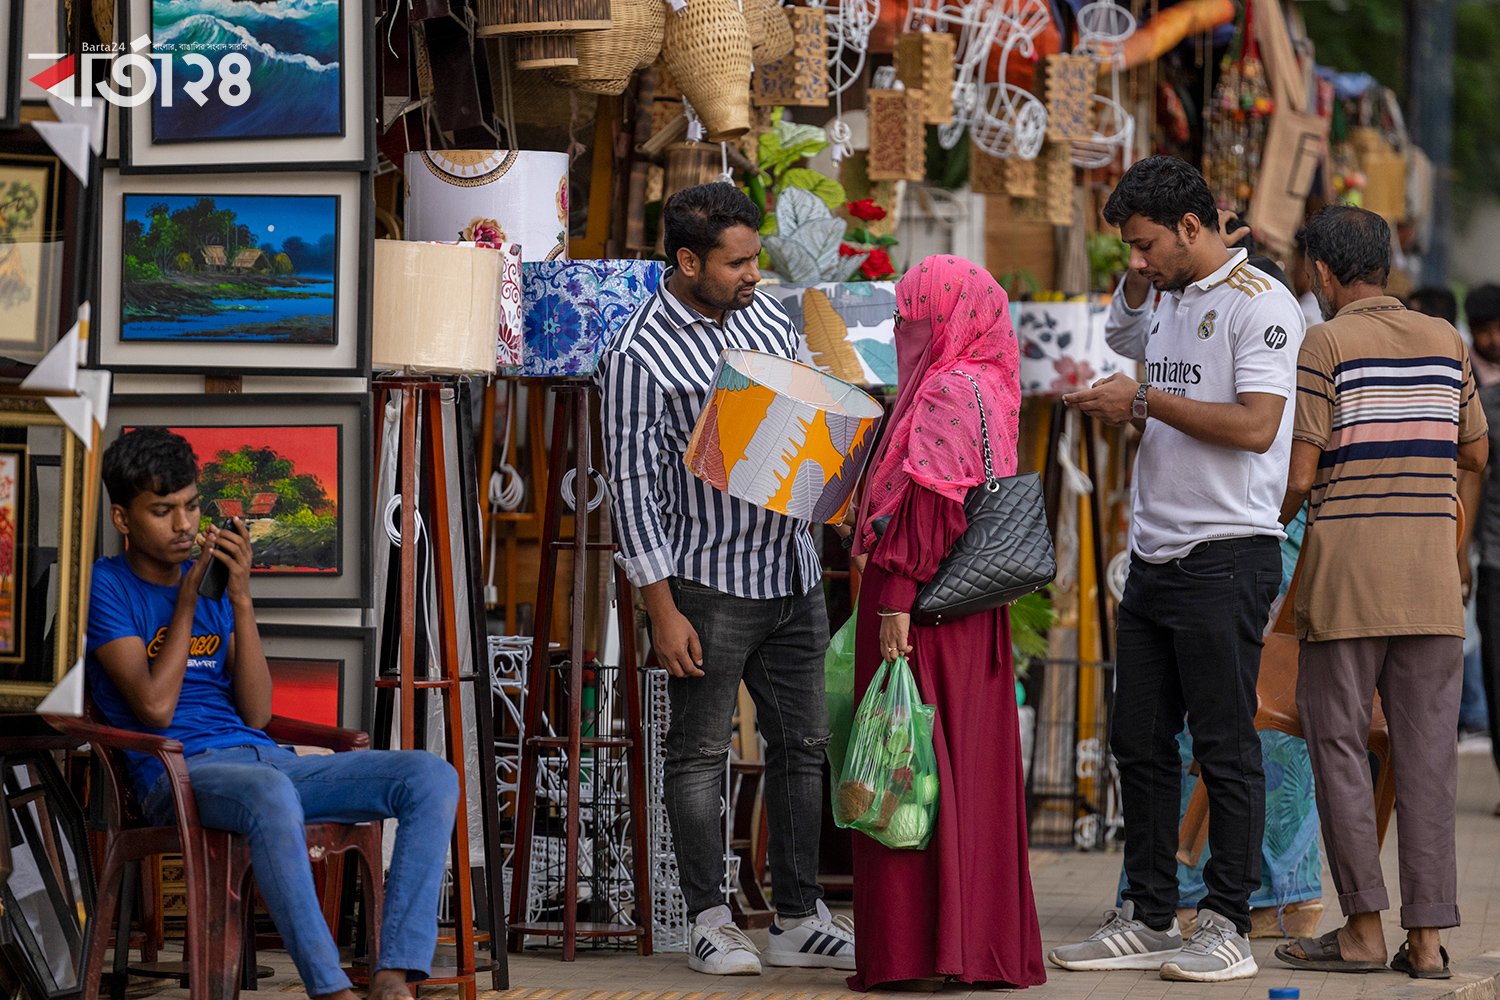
(543, 31)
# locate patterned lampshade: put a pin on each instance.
(492, 196)
(784, 436)
(571, 309)
(1062, 346)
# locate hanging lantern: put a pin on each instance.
(775, 36)
(986, 172)
(543, 30)
(925, 62)
(608, 59)
(707, 49)
(1053, 199)
(799, 79)
(898, 135)
(493, 195)
(1069, 84)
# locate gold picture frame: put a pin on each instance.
(50, 641)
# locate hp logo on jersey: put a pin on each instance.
(1275, 338)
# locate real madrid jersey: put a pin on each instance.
(1238, 330)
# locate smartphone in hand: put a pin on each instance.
(216, 579)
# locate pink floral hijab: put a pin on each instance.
(954, 321)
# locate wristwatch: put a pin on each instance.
(1138, 407)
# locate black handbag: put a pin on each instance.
(1005, 552)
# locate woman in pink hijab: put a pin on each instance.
(963, 907)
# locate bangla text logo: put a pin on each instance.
(232, 73)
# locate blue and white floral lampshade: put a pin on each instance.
(571, 309)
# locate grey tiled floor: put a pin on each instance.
(1072, 890)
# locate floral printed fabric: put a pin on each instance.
(572, 309)
(1062, 347)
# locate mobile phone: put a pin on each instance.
(216, 579)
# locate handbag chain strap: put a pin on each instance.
(990, 482)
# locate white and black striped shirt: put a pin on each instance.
(656, 377)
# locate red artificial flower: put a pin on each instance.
(867, 210)
(845, 250)
(877, 265)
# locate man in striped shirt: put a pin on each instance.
(733, 590)
(1386, 416)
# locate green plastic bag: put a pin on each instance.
(888, 787)
(838, 682)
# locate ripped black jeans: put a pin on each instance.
(776, 647)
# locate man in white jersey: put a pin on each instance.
(1218, 340)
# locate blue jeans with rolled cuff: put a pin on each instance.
(776, 646)
(268, 794)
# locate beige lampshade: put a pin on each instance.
(437, 307)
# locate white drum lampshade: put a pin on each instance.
(437, 307)
(490, 195)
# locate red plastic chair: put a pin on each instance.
(216, 862)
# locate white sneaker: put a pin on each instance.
(716, 946)
(1216, 952)
(822, 941)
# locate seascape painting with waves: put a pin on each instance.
(293, 47)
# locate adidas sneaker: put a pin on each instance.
(822, 941)
(1216, 952)
(719, 948)
(1121, 942)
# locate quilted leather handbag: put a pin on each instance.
(1005, 553)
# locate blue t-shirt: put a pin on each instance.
(122, 604)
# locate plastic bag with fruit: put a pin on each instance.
(889, 785)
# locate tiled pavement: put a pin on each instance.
(1072, 890)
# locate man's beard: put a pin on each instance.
(1325, 307)
(716, 299)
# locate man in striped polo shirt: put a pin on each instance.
(1386, 416)
(734, 591)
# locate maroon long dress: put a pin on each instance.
(963, 907)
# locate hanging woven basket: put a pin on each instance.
(776, 38)
(707, 49)
(543, 32)
(607, 59)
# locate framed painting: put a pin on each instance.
(270, 85)
(42, 266)
(320, 673)
(294, 467)
(11, 60)
(49, 488)
(228, 274)
(44, 32)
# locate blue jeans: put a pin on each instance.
(776, 647)
(267, 794)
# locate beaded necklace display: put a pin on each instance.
(1237, 120)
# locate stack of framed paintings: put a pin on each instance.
(236, 229)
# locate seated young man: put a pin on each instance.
(165, 661)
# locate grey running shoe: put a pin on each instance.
(1121, 942)
(1216, 952)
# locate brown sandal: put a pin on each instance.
(1324, 955)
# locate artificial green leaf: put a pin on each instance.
(792, 261)
(796, 207)
(847, 266)
(885, 241)
(830, 190)
(788, 142)
(822, 237)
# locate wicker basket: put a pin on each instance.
(544, 30)
(707, 49)
(776, 34)
(607, 59)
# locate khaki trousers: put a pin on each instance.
(1420, 679)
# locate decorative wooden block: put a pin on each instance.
(898, 135)
(1070, 91)
(1020, 178)
(801, 78)
(924, 61)
(987, 174)
(1052, 174)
